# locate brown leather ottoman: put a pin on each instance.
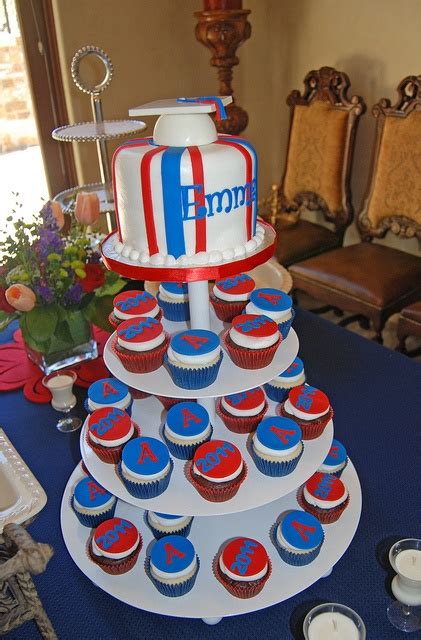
(409, 325)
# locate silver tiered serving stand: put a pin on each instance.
(99, 131)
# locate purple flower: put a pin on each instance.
(73, 295)
(44, 293)
(48, 217)
(49, 242)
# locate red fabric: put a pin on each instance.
(18, 371)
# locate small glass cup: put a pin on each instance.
(333, 621)
(60, 384)
(405, 558)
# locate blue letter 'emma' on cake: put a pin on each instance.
(298, 537)
(186, 427)
(173, 565)
(194, 358)
(145, 468)
(109, 392)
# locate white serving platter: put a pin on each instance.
(181, 497)
(21, 495)
(208, 598)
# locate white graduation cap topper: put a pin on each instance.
(184, 122)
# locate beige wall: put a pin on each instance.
(155, 54)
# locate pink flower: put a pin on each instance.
(87, 208)
(57, 212)
(20, 297)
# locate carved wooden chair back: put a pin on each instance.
(393, 201)
(320, 147)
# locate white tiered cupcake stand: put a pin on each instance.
(252, 512)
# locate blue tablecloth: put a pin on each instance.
(376, 395)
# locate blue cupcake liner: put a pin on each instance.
(278, 394)
(274, 469)
(191, 378)
(93, 521)
(184, 531)
(284, 327)
(146, 490)
(337, 473)
(184, 451)
(295, 559)
(128, 410)
(174, 311)
(172, 590)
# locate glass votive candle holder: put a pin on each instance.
(333, 621)
(405, 559)
(60, 384)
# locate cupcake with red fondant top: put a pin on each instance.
(109, 392)
(275, 304)
(140, 344)
(173, 298)
(146, 467)
(276, 447)
(252, 341)
(229, 296)
(115, 546)
(336, 460)
(279, 388)
(109, 429)
(186, 427)
(309, 408)
(242, 412)
(243, 567)
(217, 470)
(193, 358)
(132, 304)
(324, 496)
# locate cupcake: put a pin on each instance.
(132, 304)
(324, 496)
(252, 341)
(336, 460)
(217, 470)
(145, 468)
(186, 427)
(309, 408)
(242, 412)
(162, 524)
(279, 388)
(168, 402)
(109, 429)
(298, 537)
(275, 304)
(109, 392)
(276, 447)
(92, 503)
(173, 298)
(243, 567)
(172, 566)
(193, 358)
(140, 344)
(115, 546)
(230, 296)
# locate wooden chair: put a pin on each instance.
(409, 325)
(20, 557)
(317, 172)
(370, 279)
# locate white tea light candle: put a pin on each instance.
(333, 621)
(406, 585)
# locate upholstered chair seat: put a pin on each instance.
(303, 239)
(409, 325)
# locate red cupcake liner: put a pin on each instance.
(215, 493)
(170, 402)
(239, 589)
(115, 322)
(142, 361)
(324, 516)
(225, 310)
(311, 429)
(137, 394)
(249, 358)
(114, 567)
(110, 455)
(240, 424)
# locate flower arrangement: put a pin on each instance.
(53, 280)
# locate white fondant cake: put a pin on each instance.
(187, 196)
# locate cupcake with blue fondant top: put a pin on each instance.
(145, 468)
(109, 392)
(275, 304)
(163, 524)
(172, 566)
(230, 296)
(298, 537)
(279, 388)
(336, 460)
(91, 503)
(186, 427)
(131, 304)
(276, 446)
(173, 298)
(193, 358)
